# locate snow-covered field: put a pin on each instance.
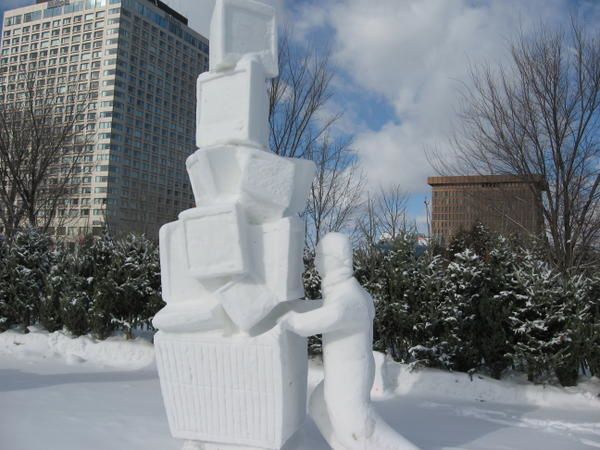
(58, 393)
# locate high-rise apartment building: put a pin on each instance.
(134, 63)
(503, 203)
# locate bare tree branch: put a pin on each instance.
(539, 116)
(301, 127)
(41, 144)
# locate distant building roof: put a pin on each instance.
(482, 179)
(159, 4)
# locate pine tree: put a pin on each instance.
(544, 323)
(98, 266)
(59, 280)
(6, 319)
(426, 320)
(493, 333)
(464, 287)
(589, 326)
(394, 283)
(136, 278)
(75, 310)
(23, 276)
(312, 291)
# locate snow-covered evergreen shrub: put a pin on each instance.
(311, 278)
(312, 291)
(487, 307)
(531, 334)
(24, 271)
(493, 333)
(75, 309)
(97, 265)
(456, 313)
(136, 278)
(59, 280)
(393, 275)
(425, 346)
(483, 304)
(6, 321)
(588, 316)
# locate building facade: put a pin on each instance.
(503, 203)
(134, 64)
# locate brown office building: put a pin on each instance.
(504, 203)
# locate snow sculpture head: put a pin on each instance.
(334, 253)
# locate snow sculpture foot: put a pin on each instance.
(341, 404)
(374, 434)
(192, 445)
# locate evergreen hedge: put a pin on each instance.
(99, 287)
(483, 304)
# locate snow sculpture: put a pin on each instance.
(237, 30)
(231, 377)
(238, 116)
(341, 404)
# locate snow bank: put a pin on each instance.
(392, 378)
(511, 391)
(395, 379)
(113, 352)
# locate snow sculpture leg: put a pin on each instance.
(341, 405)
(231, 378)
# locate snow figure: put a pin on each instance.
(230, 376)
(341, 405)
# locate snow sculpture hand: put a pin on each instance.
(341, 404)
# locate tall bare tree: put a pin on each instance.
(337, 191)
(383, 215)
(391, 209)
(41, 144)
(539, 116)
(297, 99)
(302, 127)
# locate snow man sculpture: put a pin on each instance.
(341, 404)
(231, 377)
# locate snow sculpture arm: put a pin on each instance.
(325, 319)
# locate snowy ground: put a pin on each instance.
(62, 394)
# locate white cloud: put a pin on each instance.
(415, 53)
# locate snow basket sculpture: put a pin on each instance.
(231, 377)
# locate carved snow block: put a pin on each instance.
(246, 300)
(240, 28)
(275, 273)
(268, 187)
(267, 183)
(281, 265)
(214, 241)
(190, 305)
(232, 107)
(214, 173)
(178, 286)
(238, 390)
(275, 252)
(272, 186)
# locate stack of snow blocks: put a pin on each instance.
(230, 376)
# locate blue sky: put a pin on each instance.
(398, 65)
